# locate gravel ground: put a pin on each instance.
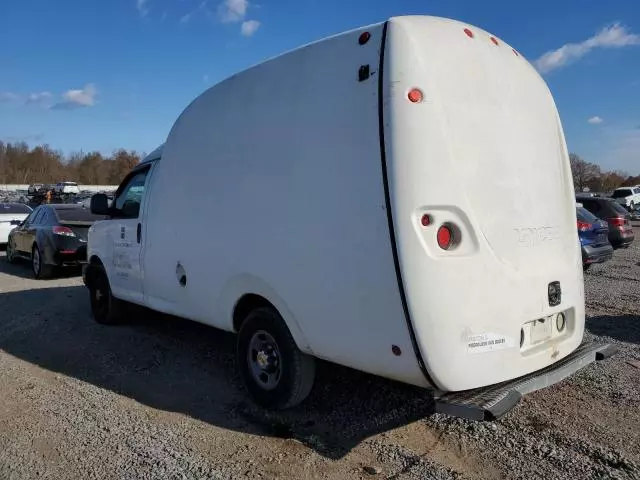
(160, 398)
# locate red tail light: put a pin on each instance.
(445, 237)
(584, 226)
(616, 221)
(63, 231)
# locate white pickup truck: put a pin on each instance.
(628, 197)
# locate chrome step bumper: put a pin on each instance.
(490, 403)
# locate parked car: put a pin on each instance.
(594, 238)
(67, 188)
(35, 188)
(628, 197)
(52, 236)
(620, 229)
(355, 239)
(11, 215)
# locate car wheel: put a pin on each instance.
(38, 266)
(275, 372)
(11, 251)
(106, 309)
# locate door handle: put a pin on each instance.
(139, 232)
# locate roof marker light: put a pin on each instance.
(493, 39)
(468, 32)
(415, 95)
(364, 38)
(425, 220)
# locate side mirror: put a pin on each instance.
(99, 204)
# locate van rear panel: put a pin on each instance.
(484, 154)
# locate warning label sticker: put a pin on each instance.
(487, 342)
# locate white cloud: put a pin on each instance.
(185, 19)
(613, 36)
(85, 97)
(249, 27)
(595, 120)
(142, 7)
(40, 98)
(233, 10)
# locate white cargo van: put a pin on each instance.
(396, 199)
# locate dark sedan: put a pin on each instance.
(52, 236)
(618, 218)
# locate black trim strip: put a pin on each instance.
(387, 197)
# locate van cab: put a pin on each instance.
(337, 202)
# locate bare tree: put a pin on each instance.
(584, 173)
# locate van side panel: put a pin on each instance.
(272, 181)
(484, 151)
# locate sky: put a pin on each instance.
(104, 74)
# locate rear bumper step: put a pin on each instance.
(490, 403)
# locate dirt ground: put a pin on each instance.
(160, 398)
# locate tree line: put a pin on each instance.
(20, 164)
(24, 165)
(591, 176)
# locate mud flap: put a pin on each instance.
(490, 403)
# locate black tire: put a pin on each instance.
(10, 251)
(296, 369)
(105, 308)
(39, 268)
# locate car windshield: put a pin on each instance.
(585, 215)
(622, 193)
(11, 208)
(618, 208)
(77, 215)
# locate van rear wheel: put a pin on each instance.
(275, 372)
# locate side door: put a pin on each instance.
(19, 232)
(29, 233)
(125, 233)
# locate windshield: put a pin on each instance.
(618, 208)
(585, 215)
(10, 208)
(621, 193)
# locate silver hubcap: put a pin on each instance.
(263, 357)
(36, 260)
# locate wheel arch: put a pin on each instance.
(246, 292)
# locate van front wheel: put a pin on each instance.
(106, 309)
(275, 372)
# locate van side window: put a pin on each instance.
(127, 203)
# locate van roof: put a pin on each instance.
(154, 155)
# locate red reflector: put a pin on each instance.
(493, 39)
(425, 220)
(583, 226)
(364, 38)
(445, 237)
(62, 231)
(415, 95)
(67, 252)
(468, 32)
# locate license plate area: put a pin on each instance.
(540, 330)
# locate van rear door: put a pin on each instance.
(483, 156)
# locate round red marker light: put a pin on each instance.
(415, 95)
(425, 220)
(364, 38)
(445, 237)
(493, 39)
(468, 32)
